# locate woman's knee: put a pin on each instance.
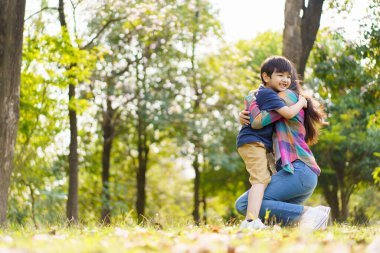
(241, 206)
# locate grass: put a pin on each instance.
(210, 238)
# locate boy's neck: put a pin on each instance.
(270, 88)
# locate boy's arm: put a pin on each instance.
(260, 119)
(289, 112)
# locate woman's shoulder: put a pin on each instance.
(288, 94)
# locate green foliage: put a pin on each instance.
(347, 145)
(376, 172)
(340, 6)
(140, 78)
(365, 205)
(150, 69)
(50, 63)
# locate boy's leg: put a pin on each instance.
(255, 158)
(255, 198)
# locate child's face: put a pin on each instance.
(279, 81)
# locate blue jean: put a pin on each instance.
(284, 194)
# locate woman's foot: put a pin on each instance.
(326, 210)
(315, 218)
(252, 224)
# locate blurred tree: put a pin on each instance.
(301, 25)
(199, 24)
(72, 200)
(346, 147)
(69, 64)
(50, 62)
(160, 96)
(11, 34)
(112, 66)
(226, 77)
(41, 119)
(141, 72)
(302, 19)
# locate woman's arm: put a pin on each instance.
(259, 119)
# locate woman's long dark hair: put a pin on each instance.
(314, 113)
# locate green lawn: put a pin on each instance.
(204, 239)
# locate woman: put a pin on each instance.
(298, 171)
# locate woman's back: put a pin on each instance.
(290, 135)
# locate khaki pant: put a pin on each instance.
(258, 161)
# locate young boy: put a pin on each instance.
(255, 145)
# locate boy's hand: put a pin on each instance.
(244, 118)
(325, 123)
(303, 100)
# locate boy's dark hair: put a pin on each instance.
(275, 64)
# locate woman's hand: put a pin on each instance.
(244, 118)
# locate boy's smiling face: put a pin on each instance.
(279, 81)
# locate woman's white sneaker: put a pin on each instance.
(326, 210)
(313, 219)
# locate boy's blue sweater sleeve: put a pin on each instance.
(268, 100)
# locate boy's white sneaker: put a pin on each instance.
(252, 225)
(313, 219)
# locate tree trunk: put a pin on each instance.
(339, 169)
(197, 181)
(309, 29)
(143, 151)
(331, 196)
(345, 199)
(11, 32)
(204, 207)
(72, 200)
(292, 39)
(204, 199)
(337, 192)
(196, 105)
(33, 205)
(108, 135)
(141, 181)
(301, 28)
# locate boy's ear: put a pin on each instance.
(265, 77)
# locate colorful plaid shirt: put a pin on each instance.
(290, 143)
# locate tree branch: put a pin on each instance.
(75, 18)
(43, 9)
(109, 22)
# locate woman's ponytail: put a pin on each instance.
(314, 114)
